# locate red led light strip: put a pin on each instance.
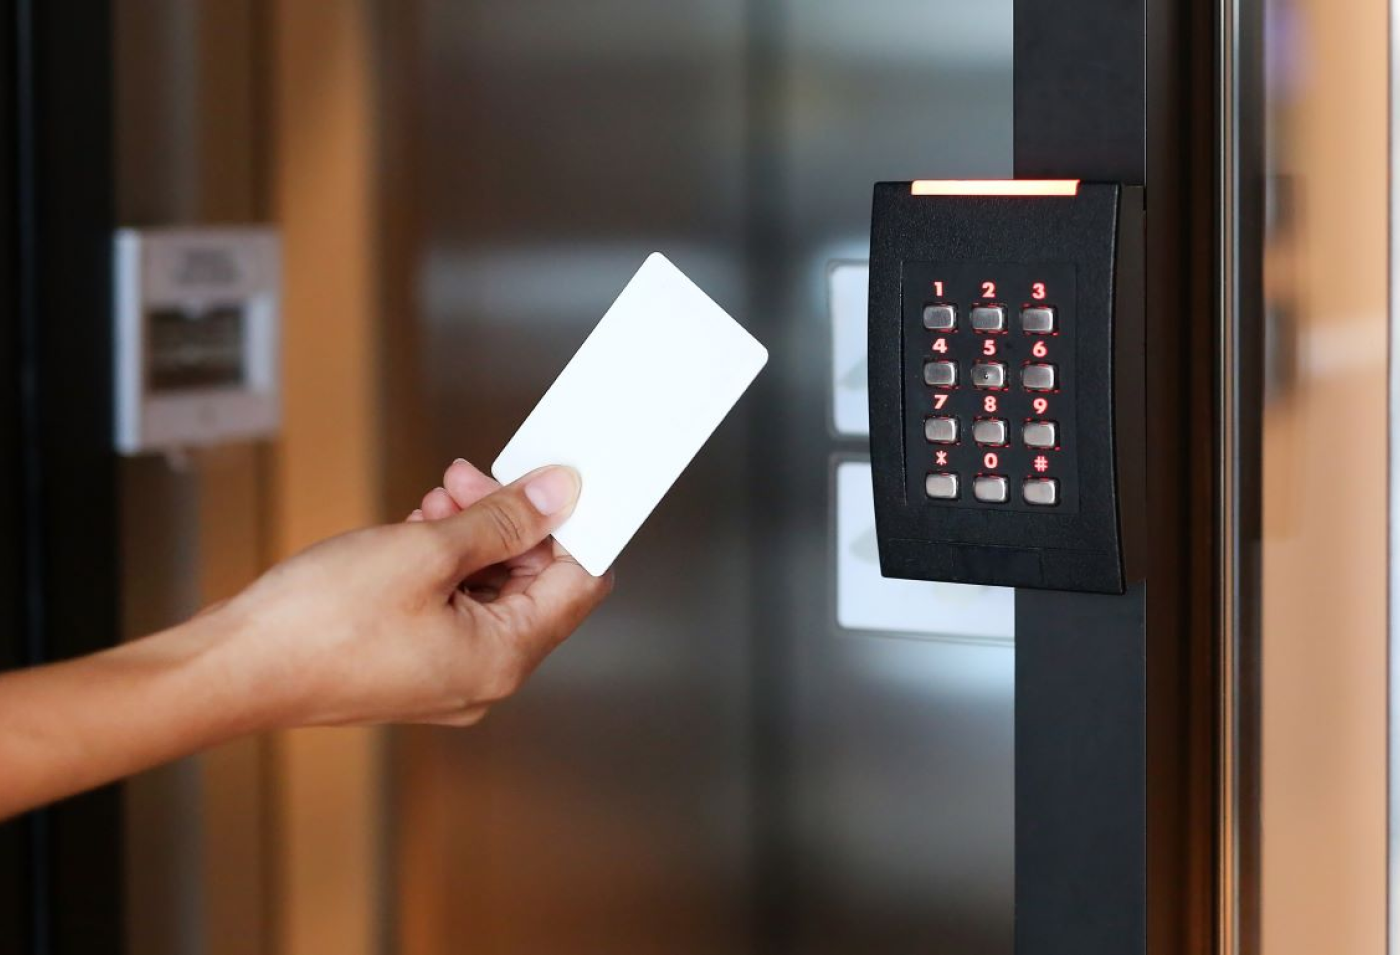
(995, 187)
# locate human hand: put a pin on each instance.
(432, 620)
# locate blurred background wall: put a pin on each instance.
(712, 764)
(240, 111)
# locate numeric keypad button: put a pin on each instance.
(1042, 492)
(941, 486)
(940, 374)
(1038, 319)
(1039, 377)
(988, 318)
(989, 431)
(940, 318)
(989, 374)
(990, 489)
(941, 430)
(1040, 434)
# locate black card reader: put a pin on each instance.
(1006, 382)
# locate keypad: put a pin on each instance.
(990, 351)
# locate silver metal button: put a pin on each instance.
(989, 431)
(1043, 492)
(989, 374)
(989, 318)
(1038, 377)
(941, 430)
(941, 487)
(1037, 319)
(1040, 434)
(940, 318)
(940, 373)
(990, 489)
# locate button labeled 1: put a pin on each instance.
(940, 318)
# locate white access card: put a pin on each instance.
(636, 403)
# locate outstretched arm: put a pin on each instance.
(432, 620)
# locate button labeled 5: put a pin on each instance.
(989, 374)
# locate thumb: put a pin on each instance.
(510, 521)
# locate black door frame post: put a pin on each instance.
(1116, 697)
(61, 867)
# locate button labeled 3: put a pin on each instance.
(1036, 319)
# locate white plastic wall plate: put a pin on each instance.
(848, 286)
(178, 385)
(866, 601)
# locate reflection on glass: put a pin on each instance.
(1324, 546)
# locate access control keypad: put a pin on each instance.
(990, 379)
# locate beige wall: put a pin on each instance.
(1324, 644)
(326, 477)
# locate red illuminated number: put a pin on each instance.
(939, 401)
(989, 403)
(989, 290)
(1038, 291)
(1040, 405)
(989, 347)
(941, 346)
(938, 289)
(991, 460)
(1039, 350)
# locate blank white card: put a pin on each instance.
(636, 403)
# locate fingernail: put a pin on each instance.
(552, 490)
(459, 460)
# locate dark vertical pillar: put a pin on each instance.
(58, 559)
(1115, 695)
